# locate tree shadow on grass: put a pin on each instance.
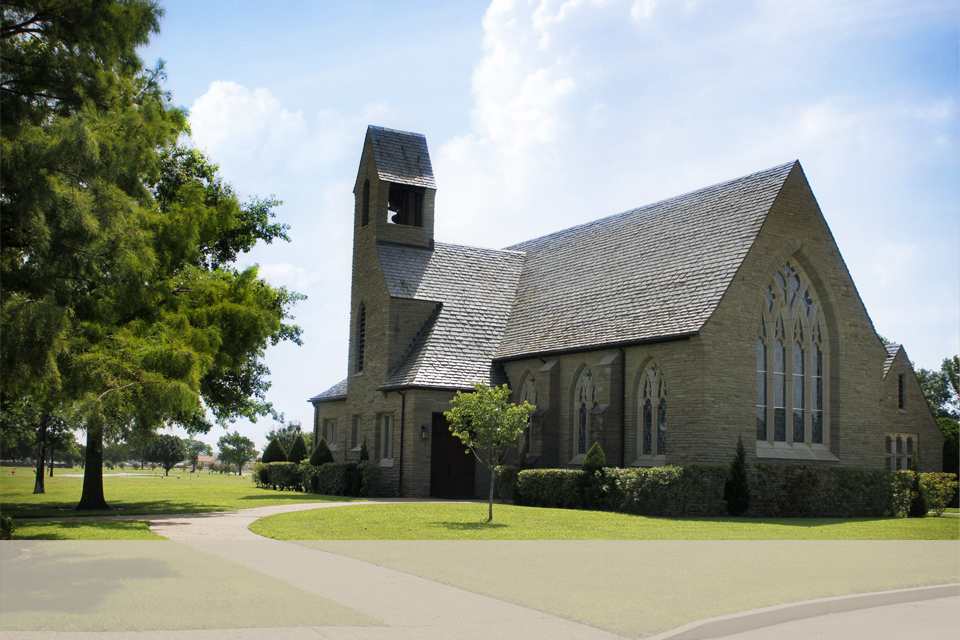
(54, 530)
(469, 526)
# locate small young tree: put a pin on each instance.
(167, 450)
(299, 451)
(321, 455)
(487, 422)
(736, 491)
(364, 453)
(195, 449)
(237, 449)
(274, 452)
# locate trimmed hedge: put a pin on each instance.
(668, 491)
(819, 492)
(698, 490)
(507, 481)
(278, 475)
(561, 488)
(332, 479)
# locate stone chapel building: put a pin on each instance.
(663, 333)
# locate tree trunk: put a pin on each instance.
(493, 478)
(91, 499)
(41, 453)
(51, 461)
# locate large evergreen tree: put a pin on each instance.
(118, 295)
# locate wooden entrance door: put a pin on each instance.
(451, 470)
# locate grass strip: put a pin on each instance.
(458, 521)
(85, 530)
(144, 494)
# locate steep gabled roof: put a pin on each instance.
(892, 351)
(651, 273)
(336, 392)
(474, 289)
(401, 156)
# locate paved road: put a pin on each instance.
(414, 608)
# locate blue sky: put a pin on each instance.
(543, 114)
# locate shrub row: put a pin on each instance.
(698, 490)
(332, 478)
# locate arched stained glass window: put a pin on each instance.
(791, 363)
(586, 400)
(653, 413)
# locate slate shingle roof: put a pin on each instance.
(401, 156)
(474, 289)
(892, 351)
(336, 392)
(650, 273)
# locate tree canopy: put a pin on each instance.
(167, 450)
(236, 449)
(488, 423)
(286, 433)
(195, 449)
(119, 295)
(940, 388)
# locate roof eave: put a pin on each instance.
(599, 347)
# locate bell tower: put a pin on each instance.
(395, 190)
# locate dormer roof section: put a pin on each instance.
(401, 157)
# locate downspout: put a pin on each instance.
(403, 414)
(623, 408)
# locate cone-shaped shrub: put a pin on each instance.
(918, 502)
(274, 452)
(364, 454)
(298, 450)
(595, 460)
(736, 491)
(321, 455)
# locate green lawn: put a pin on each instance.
(458, 521)
(85, 530)
(144, 494)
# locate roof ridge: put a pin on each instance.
(787, 166)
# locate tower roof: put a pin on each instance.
(401, 156)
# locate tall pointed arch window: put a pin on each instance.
(652, 436)
(586, 401)
(792, 421)
(530, 392)
(361, 336)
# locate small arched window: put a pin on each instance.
(365, 204)
(361, 336)
(585, 402)
(653, 413)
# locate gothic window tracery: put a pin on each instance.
(586, 401)
(653, 412)
(791, 363)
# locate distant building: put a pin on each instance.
(663, 333)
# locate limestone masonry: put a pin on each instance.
(663, 333)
